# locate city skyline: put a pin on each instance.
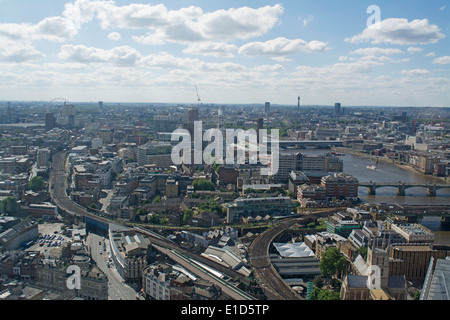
(233, 51)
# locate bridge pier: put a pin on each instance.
(445, 222)
(372, 189)
(431, 191)
(401, 190)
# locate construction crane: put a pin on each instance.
(434, 119)
(137, 133)
(198, 97)
(415, 122)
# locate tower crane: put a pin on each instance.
(198, 97)
(415, 122)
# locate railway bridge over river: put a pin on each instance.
(401, 187)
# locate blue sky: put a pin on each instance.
(234, 51)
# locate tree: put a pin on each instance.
(156, 199)
(332, 262)
(187, 214)
(363, 252)
(203, 185)
(318, 282)
(9, 206)
(36, 184)
(321, 294)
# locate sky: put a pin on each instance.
(356, 52)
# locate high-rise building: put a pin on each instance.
(267, 108)
(298, 104)
(50, 121)
(337, 108)
(43, 157)
(260, 127)
(192, 114)
(68, 114)
(100, 105)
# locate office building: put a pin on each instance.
(311, 165)
(337, 108)
(43, 158)
(130, 252)
(414, 232)
(412, 260)
(155, 153)
(170, 282)
(252, 207)
(437, 280)
(340, 185)
(50, 121)
(267, 108)
(341, 224)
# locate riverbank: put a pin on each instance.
(391, 162)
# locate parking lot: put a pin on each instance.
(50, 239)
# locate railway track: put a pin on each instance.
(275, 288)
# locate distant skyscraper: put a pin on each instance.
(298, 104)
(260, 127)
(50, 121)
(100, 105)
(267, 108)
(337, 108)
(68, 114)
(71, 121)
(192, 114)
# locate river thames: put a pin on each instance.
(387, 172)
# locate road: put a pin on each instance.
(117, 289)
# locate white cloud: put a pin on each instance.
(183, 25)
(281, 47)
(414, 50)
(13, 51)
(213, 49)
(399, 31)
(442, 60)
(270, 68)
(376, 51)
(17, 39)
(114, 36)
(431, 54)
(416, 72)
(55, 29)
(165, 60)
(281, 59)
(121, 56)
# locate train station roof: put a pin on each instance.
(293, 250)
